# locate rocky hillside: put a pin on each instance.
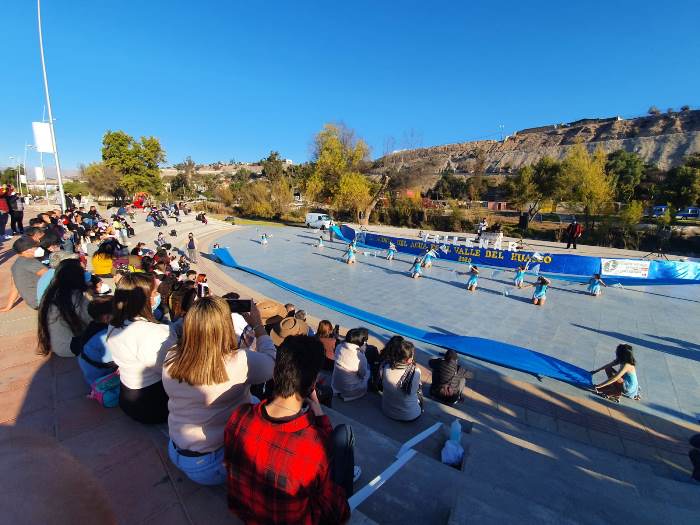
(660, 139)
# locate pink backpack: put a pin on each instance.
(105, 390)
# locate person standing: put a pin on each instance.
(16, 204)
(4, 213)
(573, 232)
(191, 248)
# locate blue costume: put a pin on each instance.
(519, 277)
(415, 270)
(350, 254)
(473, 280)
(392, 250)
(540, 291)
(594, 286)
(630, 385)
(428, 257)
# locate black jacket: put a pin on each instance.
(446, 373)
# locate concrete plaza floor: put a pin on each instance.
(538, 452)
(659, 321)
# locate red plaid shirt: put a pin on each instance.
(279, 472)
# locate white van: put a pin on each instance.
(319, 220)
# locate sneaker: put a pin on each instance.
(356, 473)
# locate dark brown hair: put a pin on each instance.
(132, 299)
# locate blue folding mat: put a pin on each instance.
(499, 353)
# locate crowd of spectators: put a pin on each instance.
(241, 390)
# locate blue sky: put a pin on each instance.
(222, 79)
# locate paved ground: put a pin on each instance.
(573, 326)
(539, 453)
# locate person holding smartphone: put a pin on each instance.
(207, 375)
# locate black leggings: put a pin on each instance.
(343, 457)
(146, 405)
(16, 218)
(3, 222)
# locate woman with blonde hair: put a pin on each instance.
(206, 376)
(138, 344)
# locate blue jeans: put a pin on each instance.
(205, 470)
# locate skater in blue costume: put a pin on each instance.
(540, 295)
(594, 285)
(428, 258)
(391, 252)
(350, 254)
(263, 239)
(473, 279)
(320, 241)
(519, 276)
(415, 269)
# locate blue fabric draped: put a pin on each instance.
(499, 353)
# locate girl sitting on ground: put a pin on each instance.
(594, 285)
(63, 311)
(351, 371)
(473, 279)
(622, 381)
(519, 276)
(350, 254)
(540, 295)
(138, 344)
(207, 376)
(402, 398)
(416, 271)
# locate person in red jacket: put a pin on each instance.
(285, 462)
(4, 212)
(573, 232)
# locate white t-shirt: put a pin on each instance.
(139, 349)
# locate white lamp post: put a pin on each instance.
(59, 180)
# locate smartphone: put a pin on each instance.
(239, 306)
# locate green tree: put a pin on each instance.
(136, 161)
(535, 185)
(74, 187)
(280, 195)
(273, 166)
(313, 187)
(682, 186)
(585, 175)
(632, 214)
(180, 184)
(626, 169)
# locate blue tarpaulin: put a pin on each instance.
(499, 353)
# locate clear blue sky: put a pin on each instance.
(230, 79)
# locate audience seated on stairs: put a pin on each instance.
(63, 313)
(138, 344)
(449, 379)
(285, 462)
(351, 371)
(206, 376)
(402, 397)
(26, 271)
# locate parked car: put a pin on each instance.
(688, 213)
(656, 211)
(319, 220)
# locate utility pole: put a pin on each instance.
(59, 179)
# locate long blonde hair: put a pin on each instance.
(207, 338)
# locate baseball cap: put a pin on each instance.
(23, 244)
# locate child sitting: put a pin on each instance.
(594, 285)
(94, 358)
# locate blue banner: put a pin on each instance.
(559, 265)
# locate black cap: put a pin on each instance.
(23, 244)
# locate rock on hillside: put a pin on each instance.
(661, 139)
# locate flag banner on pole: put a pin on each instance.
(38, 173)
(42, 137)
(22, 179)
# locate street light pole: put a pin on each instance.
(48, 107)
